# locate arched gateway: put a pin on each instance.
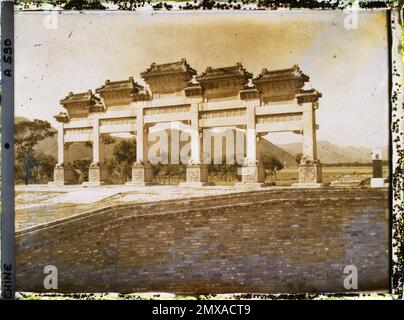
(274, 101)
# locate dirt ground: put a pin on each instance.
(38, 204)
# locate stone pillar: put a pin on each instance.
(310, 173)
(196, 172)
(142, 173)
(61, 143)
(97, 173)
(377, 181)
(195, 144)
(309, 132)
(63, 172)
(252, 172)
(251, 145)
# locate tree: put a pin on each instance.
(29, 162)
(125, 151)
(81, 169)
(40, 169)
(298, 157)
(272, 163)
(27, 134)
(125, 154)
(107, 139)
(46, 165)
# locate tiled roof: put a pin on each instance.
(309, 95)
(225, 72)
(309, 91)
(80, 97)
(293, 73)
(111, 86)
(168, 68)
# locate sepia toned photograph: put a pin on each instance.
(196, 153)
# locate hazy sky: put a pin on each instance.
(349, 67)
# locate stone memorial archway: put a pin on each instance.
(274, 101)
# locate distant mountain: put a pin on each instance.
(331, 153)
(268, 148)
(19, 119)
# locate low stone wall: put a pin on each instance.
(291, 240)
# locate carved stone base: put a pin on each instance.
(63, 175)
(310, 172)
(196, 176)
(310, 175)
(377, 183)
(97, 175)
(252, 174)
(142, 174)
